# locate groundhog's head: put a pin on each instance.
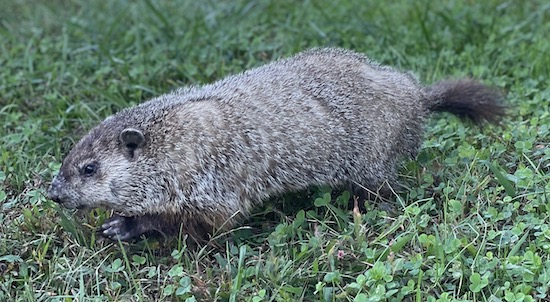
(103, 170)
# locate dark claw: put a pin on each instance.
(126, 228)
(120, 228)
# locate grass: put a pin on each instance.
(472, 223)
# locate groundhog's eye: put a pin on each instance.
(89, 169)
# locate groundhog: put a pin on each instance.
(198, 159)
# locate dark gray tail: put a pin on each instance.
(467, 99)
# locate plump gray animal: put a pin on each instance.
(199, 158)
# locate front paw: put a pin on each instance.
(119, 228)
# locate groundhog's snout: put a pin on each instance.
(54, 191)
(52, 194)
(54, 197)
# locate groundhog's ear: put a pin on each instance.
(131, 139)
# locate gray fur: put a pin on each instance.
(207, 155)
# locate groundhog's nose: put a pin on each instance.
(54, 198)
(54, 192)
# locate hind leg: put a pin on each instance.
(377, 184)
(376, 193)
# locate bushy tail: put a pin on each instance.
(467, 99)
